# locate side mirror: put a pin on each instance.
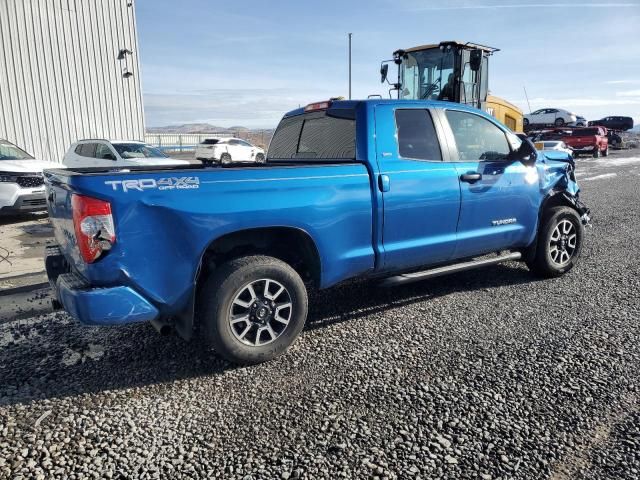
(475, 59)
(527, 153)
(384, 70)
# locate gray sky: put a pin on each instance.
(248, 62)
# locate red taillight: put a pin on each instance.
(93, 224)
(312, 107)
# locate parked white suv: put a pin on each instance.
(549, 116)
(227, 150)
(21, 181)
(116, 153)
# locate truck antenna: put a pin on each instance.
(350, 35)
(527, 97)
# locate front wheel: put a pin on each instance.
(253, 308)
(558, 244)
(559, 122)
(225, 159)
(605, 152)
(525, 122)
(596, 152)
(260, 158)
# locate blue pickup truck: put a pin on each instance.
(392, 190)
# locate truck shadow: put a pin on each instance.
(51, 357)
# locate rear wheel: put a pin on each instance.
(558, 244)
(225, 159)
(253, 308)
(260, 158)
(525, 122)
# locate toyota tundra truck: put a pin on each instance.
(392, 190)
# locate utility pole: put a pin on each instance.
(350, 35)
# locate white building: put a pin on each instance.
(69, 69)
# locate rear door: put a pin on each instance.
(499, 197)
(421, 193)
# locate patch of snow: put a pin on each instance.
(598, 177)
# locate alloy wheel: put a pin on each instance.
(563, 242)
(260, 312)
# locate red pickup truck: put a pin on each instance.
(591, 140)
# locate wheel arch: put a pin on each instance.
(292, 245)
(555, 198)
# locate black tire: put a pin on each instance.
(596, 152)
(525, 122)
(559, 122)
(605, 152)
(260, 158)
(543, 263)
(225, 159)
(224, 287)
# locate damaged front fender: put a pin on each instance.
(556, 171)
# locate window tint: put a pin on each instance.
(477, 138)
(416, 135)
(234, 142)
(326, 135)
(87, 150)
(209, 141)
(243, 143)
(102, 151)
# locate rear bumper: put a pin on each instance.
(95, 306)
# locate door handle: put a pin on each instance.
(471, 177)
(384, 183)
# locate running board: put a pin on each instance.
(458, 267)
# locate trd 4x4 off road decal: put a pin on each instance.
(166, 183)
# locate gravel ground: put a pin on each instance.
(489, 374)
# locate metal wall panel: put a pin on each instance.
(60, 76)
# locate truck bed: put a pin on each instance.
(168, 216)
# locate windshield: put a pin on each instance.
(428, 74)
(8, 151)
(138, 150)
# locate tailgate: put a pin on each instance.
(581, 141)
(58, 194)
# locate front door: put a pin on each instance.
(420, 192)
(499, 196)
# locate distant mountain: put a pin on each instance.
(201, 128)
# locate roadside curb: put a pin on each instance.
(23, 288)
(25, 283)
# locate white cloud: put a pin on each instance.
(628, 93)
(621, 82)
(253, 108)
(530, 5)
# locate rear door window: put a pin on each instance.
(416, 134)
(104, 152)
(324, 135)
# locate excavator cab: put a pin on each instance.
(451, 71)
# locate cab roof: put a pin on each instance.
(457, 43)
(371, 102)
